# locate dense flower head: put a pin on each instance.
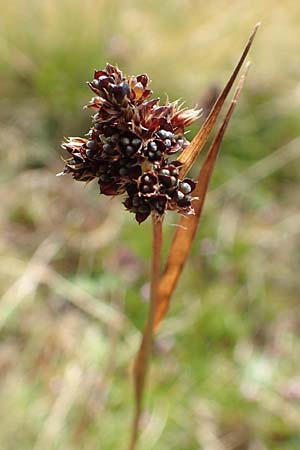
(132, 145)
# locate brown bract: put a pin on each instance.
(185, 233)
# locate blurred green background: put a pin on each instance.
(74, 265)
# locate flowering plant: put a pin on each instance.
(137, 148)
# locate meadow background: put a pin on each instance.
(74, 265)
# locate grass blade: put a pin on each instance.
(185, 233)
(190, 154)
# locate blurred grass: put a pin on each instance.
(75, 266)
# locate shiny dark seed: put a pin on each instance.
(119, 92)
(180, 195)
(162, 134)
(145, 189)
(129, 150)
(185, 188)
(92, 144)
(165, 172)
(107, 148)
(153, 146)
(123, 171)
(125, 88)
(168, 143)
(173, 181)
(89, 152)
(165, 181)
(136, 142)
(124, 140)
(114, 138)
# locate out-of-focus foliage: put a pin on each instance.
(74, 266)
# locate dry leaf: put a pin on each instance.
(190, 154)
(186, 231)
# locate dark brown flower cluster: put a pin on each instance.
(131, 144)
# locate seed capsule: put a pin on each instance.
(165, 172)
(145, 189)
(119, 92)
(107, 148)
(98, 126)
(92, 145)
(185, 188)
(125, 88)
(128, 146)
(173, 181)
(163, 134)
(152, 146)
(179, 195)
(114, 138)
(125, 140)
(136, 142)
(123, 171)
(129, 150)
(185, 202)
(89, 152)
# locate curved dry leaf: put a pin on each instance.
(186, 231)
(190, 154)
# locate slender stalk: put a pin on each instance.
(142, 362)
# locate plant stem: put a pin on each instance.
(144, 354)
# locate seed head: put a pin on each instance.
(131, 145)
